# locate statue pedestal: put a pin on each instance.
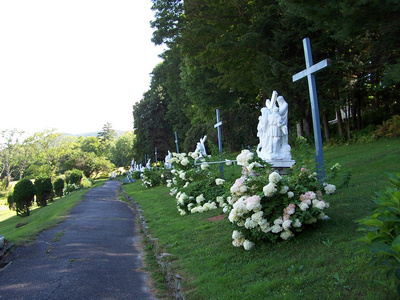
(282, 163)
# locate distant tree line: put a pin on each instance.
(53, 154)
(232, 54)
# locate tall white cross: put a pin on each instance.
(309, 72)
(218, 126)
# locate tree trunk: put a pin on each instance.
(300, 131)
(339, 121)
(326, 126)
(306, 127)
(348, 121)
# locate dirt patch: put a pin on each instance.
(216, 218)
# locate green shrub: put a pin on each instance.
(23, 196)
(383, 232)
(44, 190)
(70, 187)
(10, 202)
(389, 128)
(58, 186)
(75, 177)
(86, 182)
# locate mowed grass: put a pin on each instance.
(23, 230)
(321, 263)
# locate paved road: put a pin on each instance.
(91, 255)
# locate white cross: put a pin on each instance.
(309, 72)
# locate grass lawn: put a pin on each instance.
(39, 218)
(322, 263)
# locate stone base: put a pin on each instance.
(281, 163)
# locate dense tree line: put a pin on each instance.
(52, 154)
(231, 55)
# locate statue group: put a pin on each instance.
(273, 132)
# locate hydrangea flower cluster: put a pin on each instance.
(265, 205)
(195, 188)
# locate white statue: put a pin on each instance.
(167, 164)
(273, 132)
(148, 166)
(201, 148)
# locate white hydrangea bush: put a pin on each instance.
(264, 205)
(195, 188)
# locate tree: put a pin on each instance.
(50, 150)
(23, 196)
(44, 190)
(123, 153)
(9, 149)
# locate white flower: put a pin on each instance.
(220, 200)
(286, 224)
(286, 234)
(244, 157)
(297, 223)
(225, 209)
(284, 189)
(270, 189)
(247, 245)
(237, 235)
(253, 203)
(258, 217)
(250, 224)
(319, 204)
(290, 194)
(330, 189)
(237, 242)
(276, 228)
(184, 162)
(200, 198)
(252, 166)
(265, 227)
(274, 177)
(242, 189)
(182, 175)
(303, 206)
(204, 166)
(219, 181)
(210, 206)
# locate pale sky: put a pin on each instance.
(74, 65)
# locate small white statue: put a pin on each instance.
(148, 166)
(167, 164)
(201, 148)
(273, 132)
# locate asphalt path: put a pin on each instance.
(91, 255)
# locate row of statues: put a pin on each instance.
(272, 131)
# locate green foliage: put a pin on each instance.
(75, 177)
(10, 202)
(70, 187)
(86, 182)
(58, 186)
(152, 178)
(389, 128)
(382, 229)
(23, 196)
(44, 189)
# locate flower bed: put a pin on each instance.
(265, 205)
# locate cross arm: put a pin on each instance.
(310, 70)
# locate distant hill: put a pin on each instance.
(88, 134)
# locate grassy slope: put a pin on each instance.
(39, 219)
(317, 264)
